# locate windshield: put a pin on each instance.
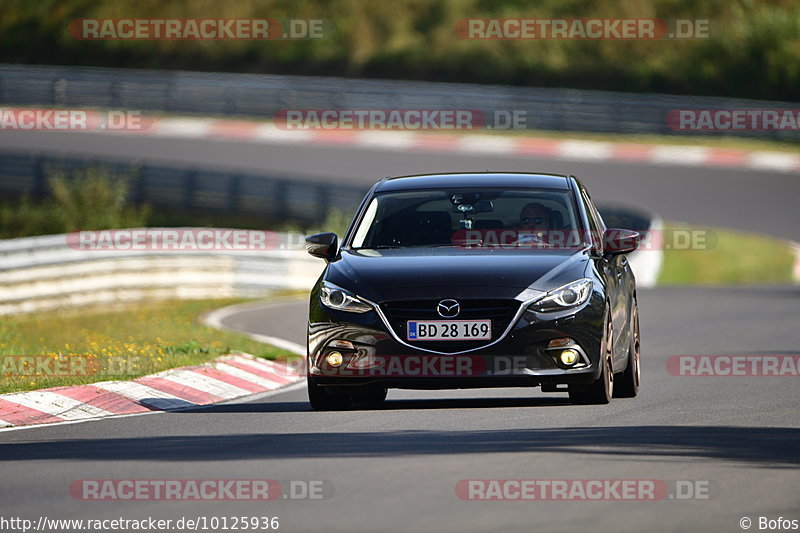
(469, 217)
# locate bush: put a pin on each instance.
(752, 50)
(89, 198)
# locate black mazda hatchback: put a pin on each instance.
(474, 280)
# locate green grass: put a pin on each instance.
(122, 343)
(732, 257)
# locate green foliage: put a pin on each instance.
(337, 222)
(753, 50)
(89, 198)
(93, 199)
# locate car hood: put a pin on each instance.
(409, 273)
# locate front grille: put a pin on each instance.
(500, 312)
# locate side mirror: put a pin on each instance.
(620, 241)
(323, 245)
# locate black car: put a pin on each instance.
(474, 280)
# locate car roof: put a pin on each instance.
(474, 179)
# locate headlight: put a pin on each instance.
(338, 298)
(569, 295)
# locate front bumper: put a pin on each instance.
(373, 355)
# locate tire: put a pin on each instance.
(321, 400)
(630, 379)
(601, 391)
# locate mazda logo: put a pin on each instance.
(448, 308)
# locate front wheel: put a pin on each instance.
(601, 391)
(629, 380)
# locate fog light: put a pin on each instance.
(569, 357)
(334, 359)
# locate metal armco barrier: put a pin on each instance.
(261, 95)
(277, 198)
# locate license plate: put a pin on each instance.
(449, 330)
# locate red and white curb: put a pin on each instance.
(226, 378)
(469, 143)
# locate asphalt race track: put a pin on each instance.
(396, 468)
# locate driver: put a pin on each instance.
(535, 221)
(535, 216)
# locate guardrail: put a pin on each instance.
(41, 273)
(262, 95)
(277, 198)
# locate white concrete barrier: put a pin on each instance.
(41, 273)
(646, 262)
